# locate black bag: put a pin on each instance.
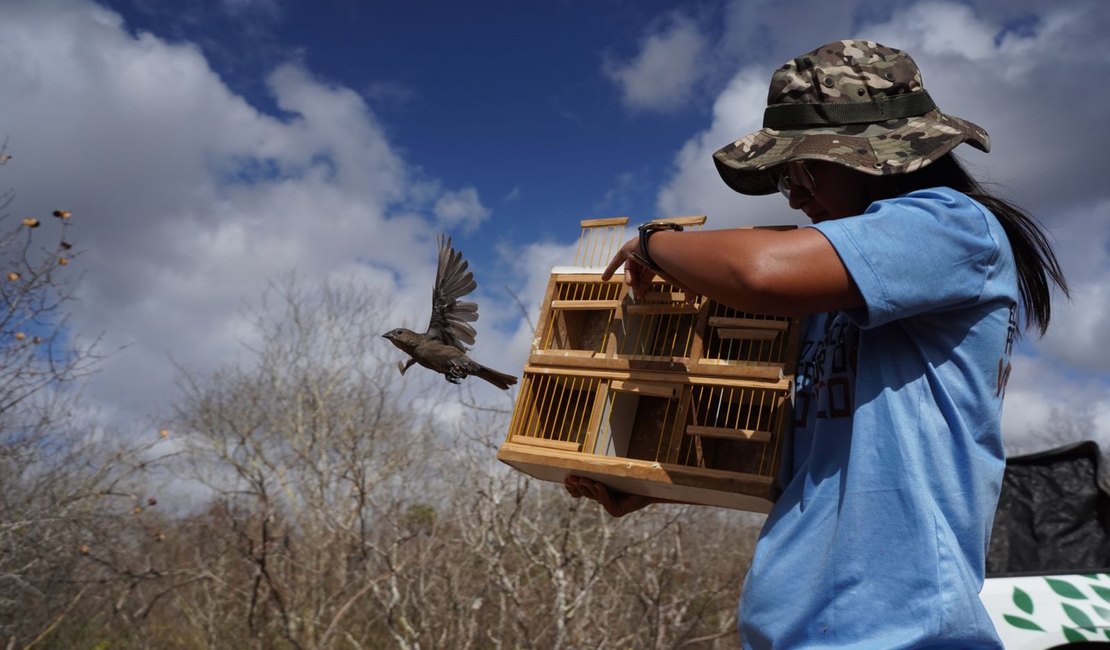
(1053, 515)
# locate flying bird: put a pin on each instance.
(443, 347)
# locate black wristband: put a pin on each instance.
(646, 231)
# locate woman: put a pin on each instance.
(911, 278)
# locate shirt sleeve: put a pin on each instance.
(927, 251)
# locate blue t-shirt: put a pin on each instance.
(880, 536)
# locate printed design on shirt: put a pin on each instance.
(1004, 365)
(826, 376)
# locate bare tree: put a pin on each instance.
(560, 573)
(1064, 427)
(307, 450)
(64, 487)
(1060, 427)
(342, 518)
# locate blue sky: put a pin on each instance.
(207, 146)
(509, 97)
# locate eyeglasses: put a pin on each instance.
(805, 179)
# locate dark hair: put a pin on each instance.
(1036, 263)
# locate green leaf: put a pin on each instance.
(1023, 601)
(1103, 612)
(1079, 617)
(1103, 592)
(1073, 635)
(1023, 623)
(1065, 589)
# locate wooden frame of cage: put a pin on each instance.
(668, 395)
(588, 323)
(592, 423)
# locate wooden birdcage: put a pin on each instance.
(669, 395)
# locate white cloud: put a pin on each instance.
(1041, 398)
(939, 29)
(461, 208)
(186, 199)
(696, 188)
(664, 73)
(1077, 336)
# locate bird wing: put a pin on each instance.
(450, 316)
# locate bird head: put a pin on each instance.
(402, 338)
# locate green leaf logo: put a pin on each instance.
(1103, 592)
(1073, 635)
(1022, 623)
(1079, 617)
(1065, 589)
(1023, 601)
(1103, 612)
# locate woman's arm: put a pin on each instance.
(789, 273)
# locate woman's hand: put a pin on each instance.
(637, 276)
(617, 504)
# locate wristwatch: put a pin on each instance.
(646, 231)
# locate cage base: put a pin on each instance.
(749, 492)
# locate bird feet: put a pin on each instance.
(455, 374)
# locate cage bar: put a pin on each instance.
(599, 241)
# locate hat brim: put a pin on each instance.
(891, 147)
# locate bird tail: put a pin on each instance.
(499, 379)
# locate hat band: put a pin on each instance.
(801, 116)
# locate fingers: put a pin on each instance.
(622, 257)
(573, 484)
(617, 504)
(580, 486)
(637, 276)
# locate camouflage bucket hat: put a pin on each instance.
(854, 103)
